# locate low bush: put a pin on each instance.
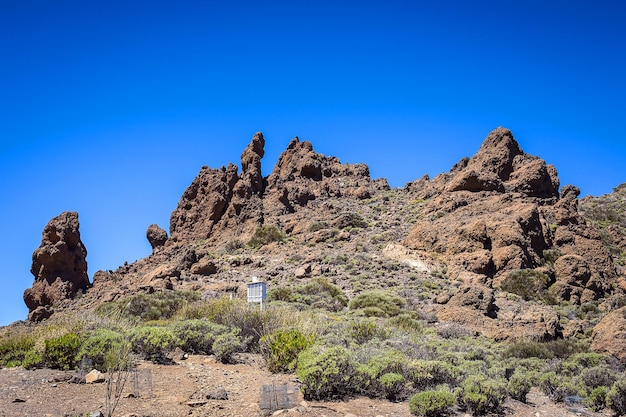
(597, 376)
(387, 303)
(326, 373)
(425, 374)
(557, 387)
(318, 293)
(33, 359)
(97, 344)
(153, 343)
(226, 344)
(407, 322)
(280, 294)
(237, 313)
(529, 284)
(350, 220)
(519, 386)
(15, 348)
(481, 395)
(264, 235)
(362, 331)
(373, 365)
(597, 398)
(434, 403)
(197, 335)
(60, 352)
(561, 348)
(282, 347)
(616, 397)
(394, 386)
(159, 305)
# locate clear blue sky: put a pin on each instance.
(110, 108)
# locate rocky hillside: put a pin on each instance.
(496, 244)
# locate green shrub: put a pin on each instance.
(282, 348)
(529, 284)
(280, 294)
(226, 344)
(561, 348)
(98, 343)
(425, 374)
(407, 322)
(159, 305)
(350, 220)
(390, 304)
(579, 361)
(60, 352)
(394, 386)
(557, 387)
(362, 331)
(153, 343)
(326, 373)
(481, 395)
(197, 335)
(322, 294)
(597, 399)
(15, 348)
(314, 227)
(33, 359)
(436, 403)
(318, 293)
(616, 397)
(264, 235)
(519, 386)
(597, 376)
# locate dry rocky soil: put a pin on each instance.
(181, 389)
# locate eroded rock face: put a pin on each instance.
(609, 335)
(223, 202)
(302, 175)
(498, 212)
(59, 266)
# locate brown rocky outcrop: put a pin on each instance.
(302, 175)
(59, 266)
(223, 201)
(470, 229)
(156, 236)
(219, 198)
(609, 335)
(498, 212)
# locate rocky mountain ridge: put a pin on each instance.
(452, 246)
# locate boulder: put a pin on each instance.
(476, 297)
(218, 393)
(156, 236)
(94, 377)
(204, 267)
(59, 266)
(609, 335)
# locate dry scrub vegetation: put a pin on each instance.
(375, 345)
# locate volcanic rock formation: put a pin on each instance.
(223, 202)
(494, 224)
(499, 212)
(59, 266)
